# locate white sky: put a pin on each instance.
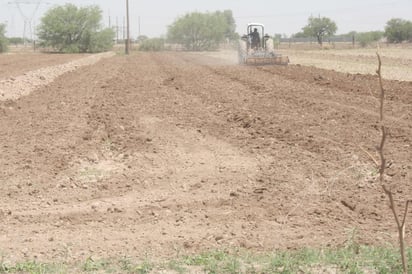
(286, 17)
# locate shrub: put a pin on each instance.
(366, 38)
(3, 40)
(16, 40)
(153, 44)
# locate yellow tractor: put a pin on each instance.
(256, 48)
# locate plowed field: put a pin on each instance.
(159, 153)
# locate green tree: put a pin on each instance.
(366, 38)
(277, 37)
(71, 29)
(320, 28)
(202, 31)
(299, 35)
(3, 40)
(102, 40)
(230, 27)
(16, 40)
(398, 30)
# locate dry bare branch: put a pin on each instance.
(400, 225)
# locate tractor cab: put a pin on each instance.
(255, 37)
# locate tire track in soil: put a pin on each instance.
(354, 172)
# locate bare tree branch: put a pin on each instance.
(400, 225)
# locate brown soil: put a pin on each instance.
(13, 88)
(15, 64)
(164, 153)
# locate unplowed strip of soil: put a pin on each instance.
(162, 153)
(15, 64)
(397, 63)
(22, 85)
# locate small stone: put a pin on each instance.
(218, 238)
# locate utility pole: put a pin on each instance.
(128, 28)
(139, 27)
(117, 30)
(124, 29)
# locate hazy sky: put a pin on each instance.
(286, 17)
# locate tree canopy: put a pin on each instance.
(230, 28)
(71, 29)
(3, 39)
(202, 31)
(320, 27)
(398, 30)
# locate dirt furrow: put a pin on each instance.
(158, 152)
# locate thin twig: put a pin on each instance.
(388, 192)
(370, 155)
(382, 93)
(381, 154)
(405, 214)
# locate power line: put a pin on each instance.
(27, 18)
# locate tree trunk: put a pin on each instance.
(320, 39)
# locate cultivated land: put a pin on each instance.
(157, 154)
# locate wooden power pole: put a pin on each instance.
(128, 28)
